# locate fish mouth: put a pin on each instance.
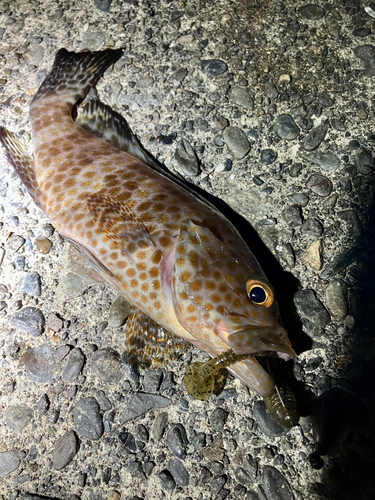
(258, 339)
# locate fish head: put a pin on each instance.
(223, 299)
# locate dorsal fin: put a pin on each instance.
(103, 121)
(22, 162)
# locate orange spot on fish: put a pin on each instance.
(154, 272)
(131, 273)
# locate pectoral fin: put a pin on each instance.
(118, 224)
(149, 344)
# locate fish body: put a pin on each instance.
(171, 254)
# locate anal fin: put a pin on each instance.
(148, 344)
(23, 163)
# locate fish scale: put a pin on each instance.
(181, 263)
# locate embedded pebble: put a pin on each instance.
(178, 76)
(214, 67)
(218, 418)
(88, 422)
(275, 485)
(106, 365)
(10, 461)
(327, 161)
(286, 254)
(312, 12)
(313, 255)
(17, 417)
(152, 380)
(31, 284)
(186, 158)
(320, 185)
(354, 226)
(15, 242)
(241, 97)
(103, 401)
(312, 228)
(267, 424)
(39, 363)
(286, 127)
(167, 481)
(177, 440)
(237, 142)
(159, 426)
(268, 156)
(29, 320)
(325, 100)
(140, 403)
(128, 441)
(315, 137)
(300, 199)
(43, 405)
(364, 161)
(292, 215)
(216, 485)
(367, 54)
(103, 5)
(73, 365)
(43, 245)
(64, 450)
(215, 450)
(308, 306)
(119, 311)
(336, 299)
(178, 471)
(34, 54)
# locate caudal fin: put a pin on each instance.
(74, 73)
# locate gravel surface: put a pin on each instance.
(269, 107)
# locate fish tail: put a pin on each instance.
(74, 73)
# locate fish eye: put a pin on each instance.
(259, 293)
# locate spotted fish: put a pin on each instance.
(181, 263)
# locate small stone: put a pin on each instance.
(73, 365)
(217, 485)
(338, 125)
(103, 5)
(237, 142)
(43, 405)
(64, 450)
(106, 365)
(275, 485)
(308, 306)
(159, 426)
(152, 380)
(29, 320)
(267, 156)
(319, 184)
(178, 76)
(354, 226)
(327, 161)
(113, 494)
(167, 481)
(286, 254)
(240, 97)
(364, 161)
(214, 67)
(267, 424)
(292, 215)
(54, 323)
(88, 422)
(336, 299)
(61, 353)
(312, 228)
(17, 417)
(286, 127)
(43, 245)
(367, 54)
(39, 362)
(177, 440)
(140, 403)
(119, 311)
(313, 255)
(127, 440)
(10, 461)
(218, 418)
(215, 450)
(34, 55)
(186, 158)
(31, 284)
(325, 100)
(300, 199)
(312, 12)
(315, 137)
(178, 471)
(15, 242)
